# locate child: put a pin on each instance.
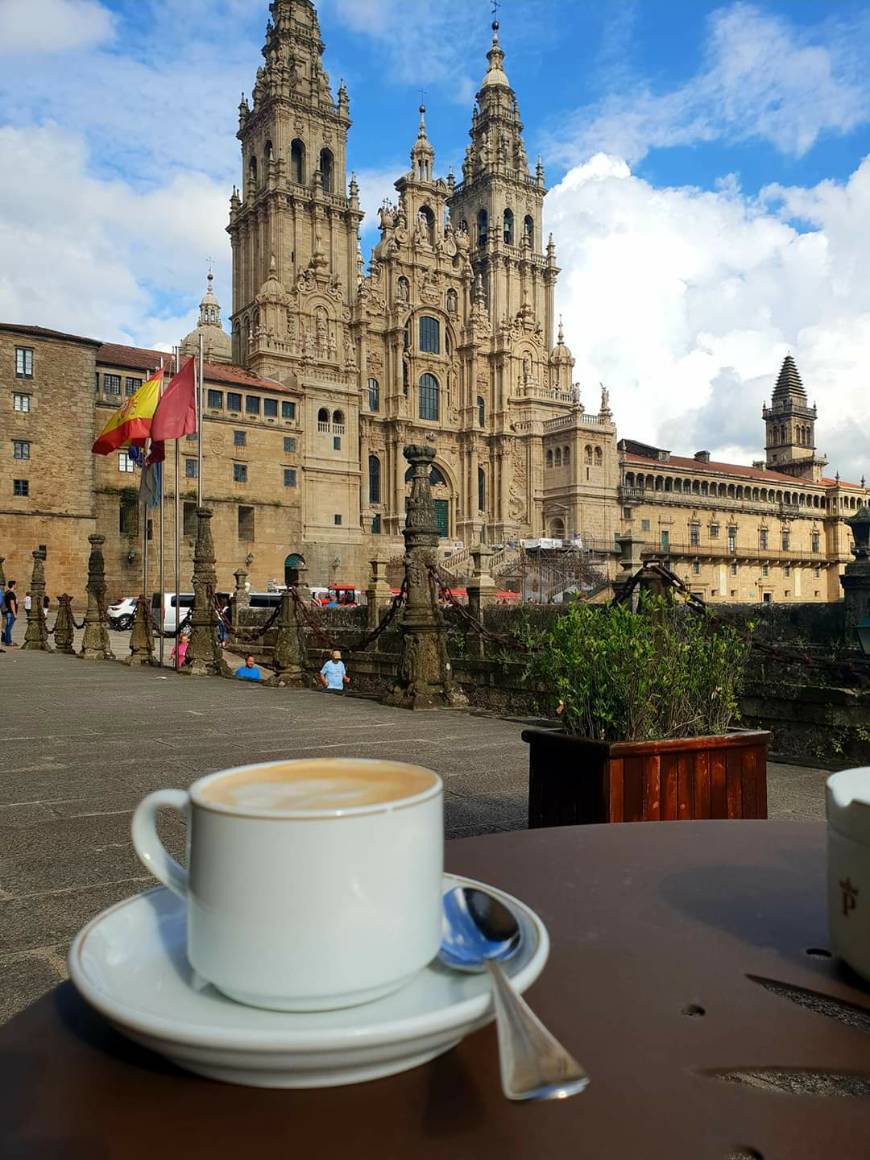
(180, 650)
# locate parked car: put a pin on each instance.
(120, 615)
(168, 622)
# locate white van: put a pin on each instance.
(169, 621)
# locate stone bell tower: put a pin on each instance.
(501, 204)
(790, 426)
(293, 212)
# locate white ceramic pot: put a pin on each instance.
(305, 910)
(848, 808)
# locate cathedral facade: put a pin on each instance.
(448, 337)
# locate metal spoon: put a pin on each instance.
(477, 934)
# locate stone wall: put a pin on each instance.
(58, 430)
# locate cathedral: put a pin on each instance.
(449, 337)
(330, 369)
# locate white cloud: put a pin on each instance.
(50, 26)
(97, 257)
(685, 302)
(761, 78)
(441, 44)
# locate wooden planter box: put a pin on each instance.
(577, 781)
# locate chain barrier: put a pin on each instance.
(358, 645)
(165, 633)
(247, 635)
(508, 642)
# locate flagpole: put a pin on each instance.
(161, 566)
(177, 524)
(199, 427)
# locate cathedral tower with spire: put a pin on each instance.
(790, 427)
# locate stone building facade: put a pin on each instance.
(449, 337)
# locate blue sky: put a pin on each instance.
(707, 161)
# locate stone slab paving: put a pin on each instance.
(82, 743)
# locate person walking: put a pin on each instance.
(333, 675)
(10, 613)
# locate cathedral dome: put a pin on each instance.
(217, 346)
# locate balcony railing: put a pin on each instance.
(735, 552)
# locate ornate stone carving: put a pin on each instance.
(517, 503)
(36, 637)
(95, 645)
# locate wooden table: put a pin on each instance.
(685, 974)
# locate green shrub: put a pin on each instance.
(662, 672)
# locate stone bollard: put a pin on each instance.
(142, 637)
(481, 593)
(289, 656)
(240, 595)
(95, 646)
(425, 678)
(204, 653)
(378, 595)
(36, 637)
(64, 625)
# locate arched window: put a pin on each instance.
(427, 221)
(374, 395)
(529, 231)
(327, 170)
(374, 479)
(452, 302)
(566, 457)
(297, 162)
(252, 170)
(482, 228)
(481, 490)
(549, 458)
(338, 422)
(587, 454)
(430, 335)
(481, 411)
(508, 227)
(429, 402)
(598, 457)
(323, 419)
(557, 457)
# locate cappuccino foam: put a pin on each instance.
(324, 784)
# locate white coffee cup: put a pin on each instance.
(848, 808)
(310, 885)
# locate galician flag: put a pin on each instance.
(131, 422)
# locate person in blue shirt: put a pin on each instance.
(333, 675)
(248, 671)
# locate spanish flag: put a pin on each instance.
(132, 422)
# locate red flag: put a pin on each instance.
(176, 412)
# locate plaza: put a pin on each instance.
(81, 743)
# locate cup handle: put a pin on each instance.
(152, 853)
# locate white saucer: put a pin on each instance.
(130, 963)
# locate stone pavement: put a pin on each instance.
(82, 743)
